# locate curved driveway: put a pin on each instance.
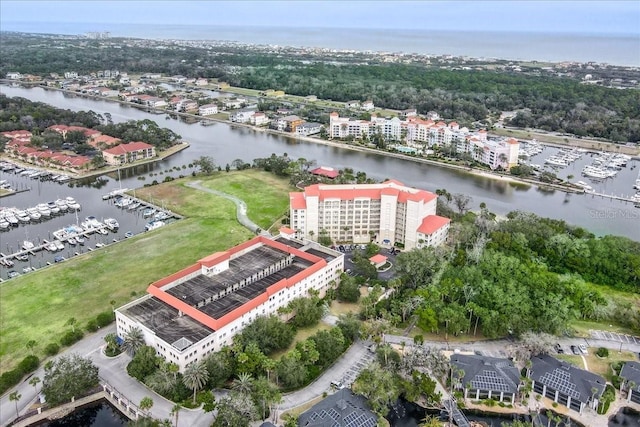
(241, 211)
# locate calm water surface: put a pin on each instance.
(226, 143)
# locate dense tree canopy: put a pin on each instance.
(68, 376)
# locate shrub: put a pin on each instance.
(52, 349)
(9, 379)
(554, 404)
(29, 364)
(616, 381)
(92, 325)
(105, 318)
(602, 352)
(71, 337)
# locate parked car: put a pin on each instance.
(558, 349)
(59, 258)
(583, 349)
(575, 350)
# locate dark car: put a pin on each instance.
(558, 349)
(575, 349)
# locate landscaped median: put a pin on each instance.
(38, 306)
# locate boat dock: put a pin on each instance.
(622, 197)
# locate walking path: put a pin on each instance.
(354, 359)
(241, 206)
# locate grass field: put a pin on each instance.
(36, 306)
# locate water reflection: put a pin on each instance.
(98, 414)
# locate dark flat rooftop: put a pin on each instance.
(288, 242)
(201, 287)
(163, 319)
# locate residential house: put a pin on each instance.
(259, 119)
(201, 82)
(386, 213)
(242, 116)
(308, 128)
(208, 110)
(233, 103)
(367, 105)
(179, 79)
(566, 384)
(288, 123)
(70, 75)
(189, 105)
(14, 76)
(352, 104)
(410, 112)
(199, 309)
(378, 260)
(487, 377)
(128, 153)
(630, 375)
(341, 409)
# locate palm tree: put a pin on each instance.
(175, 411)
(133, 340)
(195, 377)
(34, 382)
(146, 404)
(14, 397)
(243, 384)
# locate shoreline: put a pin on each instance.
(203, 119)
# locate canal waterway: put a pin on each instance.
(225, 143)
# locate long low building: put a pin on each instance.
(199, 309)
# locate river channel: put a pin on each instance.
(225, 143)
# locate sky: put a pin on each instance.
(590, 16)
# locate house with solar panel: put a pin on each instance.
(487, 377)
(630, 375)
(565, 384)
(341, 409)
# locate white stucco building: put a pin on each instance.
(387, 213)
(198, 310)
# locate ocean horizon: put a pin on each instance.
(615, 49)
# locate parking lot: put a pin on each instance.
(614, 336)
(353, 371)
(349, 252)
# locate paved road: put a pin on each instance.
(241, 211)
(345, 369)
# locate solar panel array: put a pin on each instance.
(352, 419)
(489, 380)
(560, 379)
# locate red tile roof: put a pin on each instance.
(432, 223)
(366, 191)
(297, 201)
(378, 259)
(128, 148)
(287, 230)
(325, 171)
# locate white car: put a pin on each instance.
(583, 349)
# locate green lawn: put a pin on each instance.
(36, 306)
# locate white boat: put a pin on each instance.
(12, 220)
(80, 240)
(27, 245)
(102, 231)
(111, 224)
(62, 205)
(133, 206)
(556, 161)
(34, 214)
(584, 185)
(148, 212)
(59, 245)
(99, 245)
(44, 210)
(161, 215)
(72, 241)
(4, 225)
(153, 225)
(23, 217)
(51, 247)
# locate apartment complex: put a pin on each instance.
(419, 133)
(128, 153)
(198, 310)
(387, 213)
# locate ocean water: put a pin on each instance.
(613, 49)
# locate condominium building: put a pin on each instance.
(128, 153)
(198, 310)
(387, 213)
